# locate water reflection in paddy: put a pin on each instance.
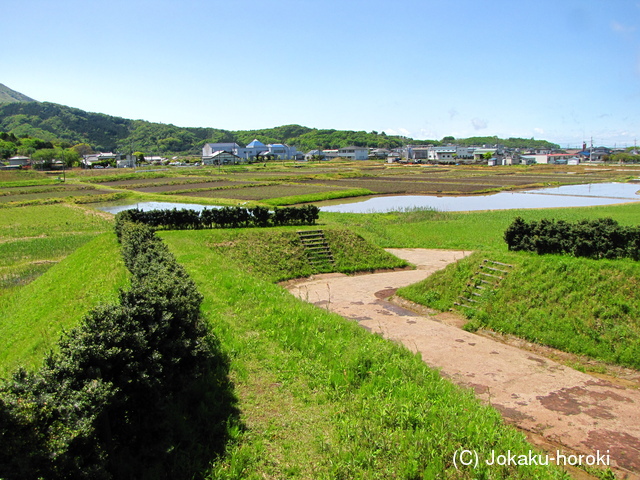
(552, 197)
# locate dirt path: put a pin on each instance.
(561, 408)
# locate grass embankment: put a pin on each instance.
(32, 239)
(32, 317)
(277, 254)
(583, 306)
(40, 292)
(423, 228)
(578, 305)
(323, 398)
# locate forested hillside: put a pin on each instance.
(58, 123)
(7, 95)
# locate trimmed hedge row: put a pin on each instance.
(138, 390)
(599, 238)
(225, 217)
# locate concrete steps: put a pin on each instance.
(316, 247)
(484, 281)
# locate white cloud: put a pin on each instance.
(399, 131)
(427, 134)
(538, 131)
(479, 123)
(620, 28)
(452, 113)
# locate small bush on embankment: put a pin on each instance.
(138, 390)
(598, 238)
(278, 254)
(579, 305)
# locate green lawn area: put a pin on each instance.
(323, 398)
(34, 238)
(33, 317)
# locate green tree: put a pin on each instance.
(83, 149)
(7, 149)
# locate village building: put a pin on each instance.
(253, 151)
(354, 153)
(222, 157)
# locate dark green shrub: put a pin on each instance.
(599, 238)
(138, 390)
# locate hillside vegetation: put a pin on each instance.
(59, 123)
(7, 95)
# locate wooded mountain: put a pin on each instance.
(62, 124)
(7, 95)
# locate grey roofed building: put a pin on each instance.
(222, 157)
(210, 148)
(19, 161)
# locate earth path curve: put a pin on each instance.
(560, 407)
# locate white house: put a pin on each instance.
(89, 160)
(222, 157)
(19, 161)
(251, 151)
(447, 154)
(354, 153)
(282, 151)
(330, 154)
(210, 148)
(311, 154)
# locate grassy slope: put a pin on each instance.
(323, 398)
(32, 239)
(32, 317)
(578, 305)
(277, 254)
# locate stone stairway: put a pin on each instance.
(485, 280)
(316, 247)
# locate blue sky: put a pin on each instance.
(562, 70)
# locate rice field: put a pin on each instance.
(33, 239)
(280, 182)
(265, 191)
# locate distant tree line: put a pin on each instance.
(622, 157)
(599, 238)
(225, 217)
(41, 152)
(138, 390)
(59, 123)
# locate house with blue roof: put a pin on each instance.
(254, 149)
